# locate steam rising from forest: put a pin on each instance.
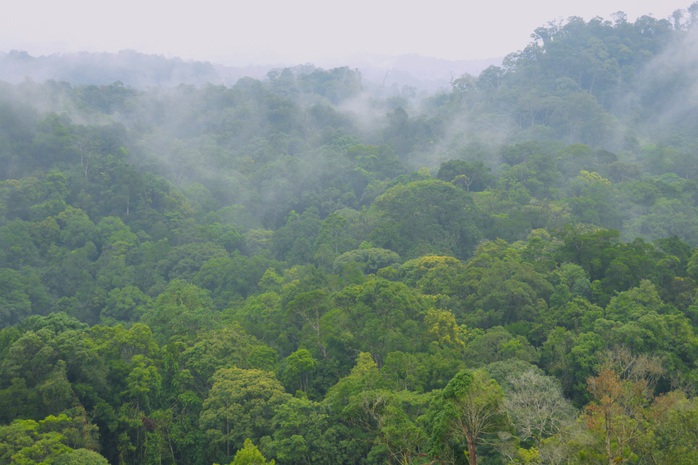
(213, 133)
(674, 75)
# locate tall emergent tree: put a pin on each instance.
(469, 410)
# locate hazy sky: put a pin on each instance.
(296, 31)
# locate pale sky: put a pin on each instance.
(296, 31)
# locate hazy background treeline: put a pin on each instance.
(311, 260)
(143, 71)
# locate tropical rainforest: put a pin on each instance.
(308, 269)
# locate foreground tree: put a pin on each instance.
(240, 405)
(469, 411)
(675, 420)
(303, 434)
(536, 406)
(618, 416)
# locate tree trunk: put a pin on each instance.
(607, 427)
(472, 449)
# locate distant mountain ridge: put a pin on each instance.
(426, 73)
(141, 70)
(132, 68)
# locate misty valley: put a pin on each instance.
(306, 266)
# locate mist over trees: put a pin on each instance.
(307, 268)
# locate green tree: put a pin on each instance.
(422, 217)
(296, 370)
(393, 420)
(143, 384)
(364, 376)
(45, 441)
(335, 236)
(239, 405)
(502, 290)
(80, 457)
(263, 317)
(305, 312)
(20, 250)
(182, 310)
(23, 442)
(303, 434)
(15, 303)
(473, 177)
(468, 412)
(368, 260)
(250, 455)
(674, 418)
(124, 305)
(496, 344)
(294, 241)
(225, 348)
(185, 261)
(443, 330)
(380, 316)
(433, 274)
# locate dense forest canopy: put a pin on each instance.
(300, 270)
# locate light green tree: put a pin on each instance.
(240, 405)
(250, 455)
(296, 370)
(81, 457)
(469, 411)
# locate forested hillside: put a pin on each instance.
(309, 269)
